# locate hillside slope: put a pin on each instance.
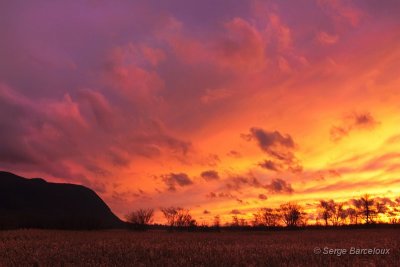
(35, 203)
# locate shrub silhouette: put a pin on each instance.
(178, 217)
(140, 219)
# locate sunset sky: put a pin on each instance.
(218, 106)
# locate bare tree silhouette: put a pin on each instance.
(292, 214)
(140, 218)
(178, 217)
(332, 211)
(367, 208)
(235, 220)
(380, 208)
(326, 210)
(243, 222)
(352, 215)
(352, 212)
(217, 222)
(339, 214)
(266, 217)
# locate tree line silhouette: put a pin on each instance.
(329, 213)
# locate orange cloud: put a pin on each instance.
(149, 107)
(354, 121)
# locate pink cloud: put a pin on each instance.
(153, 55)
(326, 38)
(98, 106)
(133, 90)
(242, 48)
(284, 65)
(215, 95)
(72, 139)
(127, 71)
(281, 31)
(187, 49)
(66, 112)
(342, 10)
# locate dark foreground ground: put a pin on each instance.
(159, 248)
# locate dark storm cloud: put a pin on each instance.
(270, 165)
(210, 175)
(173, 180)
(234, 154)
(279, 186)
(212, 195)
(276, 186)
(364, 120)
(236, 212)
(268, 140)
(240, 181)
(278, 147)
(262, 197)
(351, 122)
(221, 195)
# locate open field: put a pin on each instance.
(159, 248)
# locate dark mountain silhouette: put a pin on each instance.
(35, 203)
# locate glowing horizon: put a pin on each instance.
(208, 106)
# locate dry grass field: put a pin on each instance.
(159, 248)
